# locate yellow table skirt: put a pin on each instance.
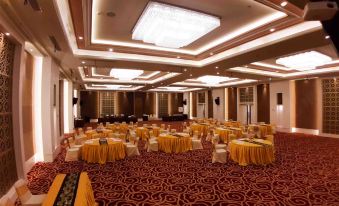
(96, 153)
(201, 128)
(172, 144)
(84, 196)
(143, 132)
(223, 134)
(246, 153)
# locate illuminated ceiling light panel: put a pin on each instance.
(125, 74)
(304, 61)
(262, 64)
(173, 27)
(212, 80)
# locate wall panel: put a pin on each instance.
(263, 98)
(232, 103)
(89, 101)
(210, 103)
(8, 172)
(306, 103)
(194, 104)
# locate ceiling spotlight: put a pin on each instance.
(216, 67)
(191, 75)
(7, 34)
(110, 49)
(211, 53)
(178, 57)
(83, 62)
(30, 50)
(80, 37)
(283, 4)
(272, 30)
(246, 66)
(218, 73)
(327, 37)
(185, 70)
(86, 75)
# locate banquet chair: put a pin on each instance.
(154, 125)
(5, 201)
(25, 195)
(218, 155)
(163, 126)
(184, 124)
(89, 128)
(210, 135)
(168, 128)
(145, 125)
(196, 134)
(153, 146)
(72, 154)
(173, 130)
(216, 144)
(196, 141)
(269, 138)
(131, 146)
(152, 136)
(123, 122)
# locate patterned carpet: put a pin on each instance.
(306, 172)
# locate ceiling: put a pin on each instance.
(95, 36)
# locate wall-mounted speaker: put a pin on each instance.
(217, 100)
(75, 100)
(279, 98)
(184, 102)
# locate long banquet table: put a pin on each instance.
(70, 189)
(174, 143)
(259, 151)
(94, 152)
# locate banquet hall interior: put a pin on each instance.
(169, 102)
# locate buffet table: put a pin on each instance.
(70, 189)
(95, 152)
(175, 143)
(259, 151)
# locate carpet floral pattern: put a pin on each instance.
(306, 172)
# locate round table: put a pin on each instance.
(143, 132)
(200, 127)
(93, 152)
(259, 152)
(172, 143)
(264, 129)
(223, 133)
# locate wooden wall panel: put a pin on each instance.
(194, 104)
(263, 98)
(149, 106)
(306, 103)
(89, 104)
(330, 104)
(8, 174)
(27, 106)
(125, 103)
(176, 102)
(232, 103)
(210, 104)
(163, 104)
(139, 102)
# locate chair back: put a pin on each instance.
(145, 125)
(5, 201)
(22, 190)
(173, 130)
(89, 128)
(196, 134)
(162, 126)
(154, 125)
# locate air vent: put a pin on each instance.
(55, 43)
(34, 4)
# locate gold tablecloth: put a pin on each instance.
(232, 124)
(142, 132)
(223, 134)
(120, 128)
(201, 128)
(171, 144)
(264, 129)
(95, 153)
(237, 132)
(246, 153)
(84, 195)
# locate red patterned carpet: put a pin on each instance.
(306, 172)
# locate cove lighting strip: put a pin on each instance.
(112, 87)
